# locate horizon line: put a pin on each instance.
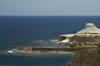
(50, 15)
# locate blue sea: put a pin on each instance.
(38, 31)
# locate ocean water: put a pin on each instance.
(38, 31)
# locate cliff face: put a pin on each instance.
(90, 28)
(89, 34)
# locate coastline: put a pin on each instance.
(68, 51)
(40, 52)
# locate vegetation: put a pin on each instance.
(86, 57)
(79, 46)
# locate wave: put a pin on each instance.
(39, 41)
(10, 51)
(55, 41)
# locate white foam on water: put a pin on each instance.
(58, 42)
(38, 41)
(53, 40)
(9, 51)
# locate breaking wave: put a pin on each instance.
(55, 41)
(10, 51)
(38, 41)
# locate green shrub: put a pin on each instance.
(86, 57)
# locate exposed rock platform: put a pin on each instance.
(41, 50)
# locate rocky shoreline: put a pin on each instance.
(47, 50)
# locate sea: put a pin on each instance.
(38, 31)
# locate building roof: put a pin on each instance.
(90, 28)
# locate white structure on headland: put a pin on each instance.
(89, 34)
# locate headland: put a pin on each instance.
(87, 38)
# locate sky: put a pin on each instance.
(49, 7)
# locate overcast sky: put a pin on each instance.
(49, 7)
